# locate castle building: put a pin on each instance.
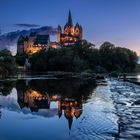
(32, 43)
(71, 34)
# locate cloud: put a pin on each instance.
(24, 25)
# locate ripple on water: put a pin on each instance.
(101, 122)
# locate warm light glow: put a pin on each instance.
(33, 50)
(33, 93)
(53, 46)
(54, 98)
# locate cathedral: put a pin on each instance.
(71, 34)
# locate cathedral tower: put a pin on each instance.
(69, 29)
(71, 34)
(59, 34)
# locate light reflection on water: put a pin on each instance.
(135, 78)
(138, 77)
(56, 109)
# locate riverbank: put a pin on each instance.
(127, 102)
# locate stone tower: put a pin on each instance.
(59, 33)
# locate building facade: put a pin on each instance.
(32, 43)
(70, 34)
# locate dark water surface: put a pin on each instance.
(56, 110)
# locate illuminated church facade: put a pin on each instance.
(70, 34)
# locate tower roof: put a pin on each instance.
(59, 27)
(21, 39)
(32, 34)
(70, 23)
(41, 39)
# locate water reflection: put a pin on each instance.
(134, 77)
(0, 111)
(46, 98)
(56, 109)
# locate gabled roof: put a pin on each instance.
(21, 39)
(42, 39)
(78, 26)
(26, 38)
(32, 34)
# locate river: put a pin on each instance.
(72, 109)
(43, 109)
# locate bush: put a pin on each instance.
(7, 63)
(86, 75)
(88, 71)
(20, 59)
(99, 69)
(114, 74)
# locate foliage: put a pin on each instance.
(7, 63)
(83, 56)
(114, 74)
(20, 59)
(7, 87)
(137, 69)
(117, 58)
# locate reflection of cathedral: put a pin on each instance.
(35, 101)
(71, 108)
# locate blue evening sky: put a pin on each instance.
(117, 21)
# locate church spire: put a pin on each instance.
(70, 19)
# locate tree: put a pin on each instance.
(7, 63)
